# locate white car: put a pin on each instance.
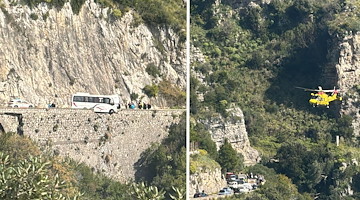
(19, 103)
(233, 184)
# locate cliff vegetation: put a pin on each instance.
(153, 12)
(253, 56)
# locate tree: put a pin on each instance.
(199, 135)
(229, 159)
(293, 160)
(164, 165)
(29, 179)
(344, 128)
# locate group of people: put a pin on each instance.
(131, 105)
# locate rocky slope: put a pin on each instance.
(233, 128)
(207, 180)
(47, 54)
(348, 71)
(343, 70)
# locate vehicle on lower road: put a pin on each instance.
(99, 103)
(224, 192)
(200, 194)
(20, 103)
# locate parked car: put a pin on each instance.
(243, 189)
(233, 184)
(227, 188)
(248, 186)
(231, 177)
(224, 192)
(200, 194)
(240, 181)
(228, 174)
(19, 103)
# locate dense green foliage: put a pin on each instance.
(170, 13)
(164, 165)
(254, 58)
(30, 178)
(151, 90)
(174, 96)
(203, 140)
(229, 159)
(318, 168)
(29, 174)
(201, 161)
(152, 70)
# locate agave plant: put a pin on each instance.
(179, 194)
(29, 179)
(140, 191)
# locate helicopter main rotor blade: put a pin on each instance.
(320, 90)
(331, 90)
(307, 89)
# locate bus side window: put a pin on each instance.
(79, 99)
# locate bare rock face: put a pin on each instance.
(208, 180)
(233, 128)
(47, 54)
(346, 74)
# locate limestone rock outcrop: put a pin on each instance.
(208, 180)
(343, 70)
(348, 72)
(233, 128)
(47, 54)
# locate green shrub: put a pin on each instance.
(137, 20)
(151, 90)
(57, 3)
(152, 70)
(34, 16)
(173, 94)
(133, 96)
(117, 13)
(45, 16)
(76, 5)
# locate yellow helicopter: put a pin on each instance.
(322, 98)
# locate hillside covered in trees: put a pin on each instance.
(252, 56)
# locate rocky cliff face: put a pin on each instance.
(208, 180)
(343, 70)
(348, 70)
(48, 54)
(233, 128)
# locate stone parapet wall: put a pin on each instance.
(111, 144)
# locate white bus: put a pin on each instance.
(100, 103)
